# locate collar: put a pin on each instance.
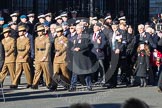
(26, 35)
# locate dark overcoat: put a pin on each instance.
(142, 64)
(84, 61)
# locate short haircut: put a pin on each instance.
(81, 105)
(134, 103)
(141, 26)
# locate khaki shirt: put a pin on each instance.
(42, 48)
(23, 47)
(9, 48)
(60, 48)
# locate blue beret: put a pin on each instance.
(5, 25)
(23, 16)
(1, 19)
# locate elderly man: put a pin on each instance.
(84, 61)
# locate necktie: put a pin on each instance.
(94, 37)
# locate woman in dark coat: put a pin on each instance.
(142, 63)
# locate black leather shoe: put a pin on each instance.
(34, 87)
(28, 86)
(52, 87)
(13, 86)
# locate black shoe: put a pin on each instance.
(13, 86)
(28, 86)
(52, 87)
(72, 89)
(34, 87)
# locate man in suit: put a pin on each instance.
(52, 36)
(99, 41)
(116, 45)
(42, 59)
(9, 48)
(22, 60)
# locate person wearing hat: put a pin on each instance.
(60, 46)
(122, 19)
(73, 17)
(23, 21)
(14, 17)
(65, 27)
(9, 48)
(31, 22)
(13, 27)
(1, 21)
(99, 41)
(74, 14)
(58, 20)
(108, 20)
(64, 17)
(116, 45)
(48, 18)
(42, 59)
(142, 66)
(22, 59)
(71, 37)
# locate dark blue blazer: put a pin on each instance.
(100, 47)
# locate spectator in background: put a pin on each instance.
(134, 103)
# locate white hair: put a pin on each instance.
(141, 26)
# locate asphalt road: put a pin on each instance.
(99, 97)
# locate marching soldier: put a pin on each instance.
(42, 58)
(60, 45)
(9, 48)
(22, 60)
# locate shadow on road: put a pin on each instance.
(20, 96)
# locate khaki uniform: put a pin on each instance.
(42, 49)
(60, 61)
(9, 63)
(23, 47)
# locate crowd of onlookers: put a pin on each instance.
(87, 50)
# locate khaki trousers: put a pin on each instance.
(19, 67)
(8, 67)
(63, 68)
(39, 68)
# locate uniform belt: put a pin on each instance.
(21, 49)
(57, 50)
(41, 49)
